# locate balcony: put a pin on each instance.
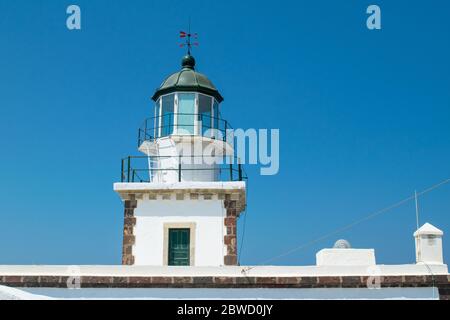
(166, 169)
(184, 124)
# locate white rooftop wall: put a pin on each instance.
(345, 257)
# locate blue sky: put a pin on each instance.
(364, 118)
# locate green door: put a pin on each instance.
(179, 247)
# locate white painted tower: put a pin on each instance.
(185, 192)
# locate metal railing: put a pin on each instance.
(189, 168)
(184, 124)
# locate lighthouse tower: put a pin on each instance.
(184, 193)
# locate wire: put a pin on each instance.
(351, 225)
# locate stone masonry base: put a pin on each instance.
(440, 281)
(128, 232)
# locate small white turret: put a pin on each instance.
(429, 245)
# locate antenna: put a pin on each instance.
(188, 36)
(417, 209)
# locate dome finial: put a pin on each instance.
(188, 62)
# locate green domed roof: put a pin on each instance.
(187, 79)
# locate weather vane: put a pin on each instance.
(189, 36)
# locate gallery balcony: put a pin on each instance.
(184, 124)
(167, 169)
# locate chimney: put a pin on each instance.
(429, 245)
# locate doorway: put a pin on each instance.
(179, 247)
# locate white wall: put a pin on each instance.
(168, 167)
(345, 257)
(151, 215)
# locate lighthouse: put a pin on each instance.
(185, 191)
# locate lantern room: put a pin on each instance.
(185, 138)
(187, 103)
